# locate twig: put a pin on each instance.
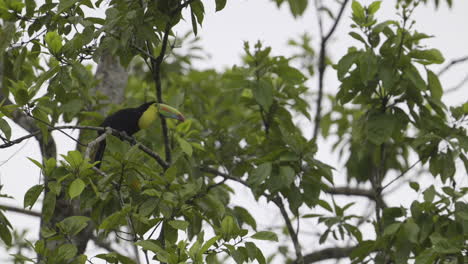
(351, 191)
(458, 86)
(156, 67)
(95, 142)
(451, 64)
(20, 210)
(327, 253)
(322, 66)
(401, 175)
(224, 175)
(279, 202)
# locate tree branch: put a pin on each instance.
(322, 66)
(451, 64)
(116, 133)
(327, 253)
(279, 202)
(20, 210)
(351, 191)
(224, 175)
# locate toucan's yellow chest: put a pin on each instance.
(148, 117)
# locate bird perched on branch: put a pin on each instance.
(131, 120)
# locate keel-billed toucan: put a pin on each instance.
(131, 120)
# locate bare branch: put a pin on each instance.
(458, 86)
(156, 67)
(224, 175)
(403, 173)
(451, 64)
(93, 143)
(351, 191)
(327, 253)
(20, 210)
(322, 66)
(294, 236)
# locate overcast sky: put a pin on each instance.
(223, 34)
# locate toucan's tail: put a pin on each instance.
(100, 153)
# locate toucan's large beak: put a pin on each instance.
(170, 112)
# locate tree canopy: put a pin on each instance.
(166, 193)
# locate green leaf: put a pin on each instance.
(346, 62)
(367, 66)
(444, 245)
(358, 37)
(380, 127)
(66, 251)
(434, 85)
(374, 7)
(208, 244)
(73, 225)
(5, 128)
(259, 174)
(414, 186)
(65, 4)
(194, 22)
(220, 4)
(114, 220)
(413, 75)
(429, 56)
(48, 206)
(297, 7)
(245, 217)
(21, 96)
(5, 234)
(429, 194)
(198, 10)
(263, 94)
(74, 159)
(30, 197)
(155, 248)
(265, 235)
(428, 256)
(179, 224)
(53, 41)
(411, 231)
(229, 227)
(185, 146)
(358, 12)
(76, 188)
(42, 78)
(282, 178)
(170, 174)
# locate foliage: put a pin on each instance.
(240, 127)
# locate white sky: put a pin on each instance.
(223, 34)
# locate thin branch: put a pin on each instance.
(294, 236)
(224, 175)
(20, 210)
(458, 86)
(156, 67)
(322, 66)
(401, 175)
(93, 143)
(451, 64)
(351, 191)
(117, 133)
(337, 20)
(327, 253)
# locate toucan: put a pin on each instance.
(131, 120)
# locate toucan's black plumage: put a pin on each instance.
(131, 120)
